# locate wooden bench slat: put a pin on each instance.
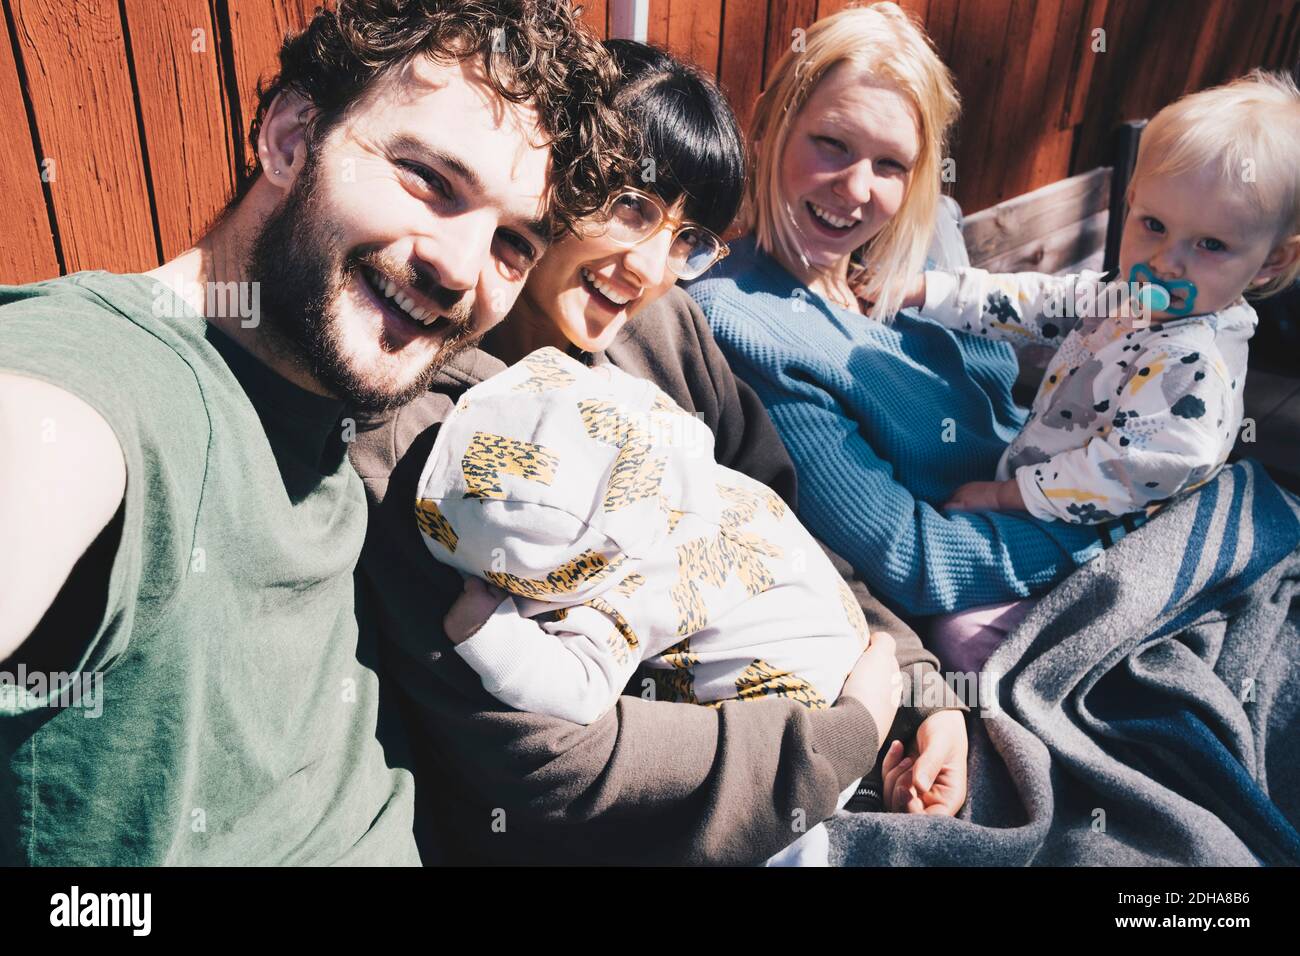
(1052, 252)
(1002, 230)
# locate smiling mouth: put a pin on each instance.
(829, 220)
(603, 292)
(398, 302)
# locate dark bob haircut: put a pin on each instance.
(687, 128)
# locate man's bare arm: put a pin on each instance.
(62, 478)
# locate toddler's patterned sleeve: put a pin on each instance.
(1025, 308)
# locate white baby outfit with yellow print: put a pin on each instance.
(595, 501)
(1126, 417)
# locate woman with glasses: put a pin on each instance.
(662, 228)
(650, 781)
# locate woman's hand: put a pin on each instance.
(877, 682)
(931, 777)
(472, 609)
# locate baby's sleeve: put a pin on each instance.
(1171, 430)
(1024, 308)
(573, 668)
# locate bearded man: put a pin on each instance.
(181, 520)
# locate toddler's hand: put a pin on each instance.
(876, 681)
(987, 496)
(472, 609)
(914, 292)
(974, 496)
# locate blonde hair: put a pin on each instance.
(887, 44)
(1249, 132)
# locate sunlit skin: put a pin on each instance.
(559, 307)
(431, 175)
(417, 207)
(850, 151)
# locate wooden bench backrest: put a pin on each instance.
(1058, 228)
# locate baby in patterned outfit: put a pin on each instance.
(1142, 400)
(592, 504)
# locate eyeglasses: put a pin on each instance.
(633, 216)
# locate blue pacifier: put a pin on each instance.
(1155, 295)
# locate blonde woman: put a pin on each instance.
(884, 414)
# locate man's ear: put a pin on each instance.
(282, 139)
(1283, 257)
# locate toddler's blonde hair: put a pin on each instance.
(889, 45)
(1248, 130)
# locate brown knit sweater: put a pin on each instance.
(650, 781)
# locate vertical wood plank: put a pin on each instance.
(1291, 55)
(657, 22)
(826, 8)
(257, 29)
(977, 62)
(941, 24)
(27, 247)
(744, 27)
(695, 32)
(1110, 87)
(595, 13)
(1173, 47)
(783, 19)
(920, 9)
(1033, 83)
(1051, 160)
(1209, 55)
(1249, 19)
(186, 122)
(1075, 56)
(80, 89)
(1278, 52)
(1267, 27)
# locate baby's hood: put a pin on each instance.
(550, 476)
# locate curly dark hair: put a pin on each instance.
(535, 52)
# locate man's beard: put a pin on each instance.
(303, 269)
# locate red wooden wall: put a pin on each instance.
(124, 120)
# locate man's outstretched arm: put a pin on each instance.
(62, 479)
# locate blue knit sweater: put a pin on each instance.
(883, 423)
